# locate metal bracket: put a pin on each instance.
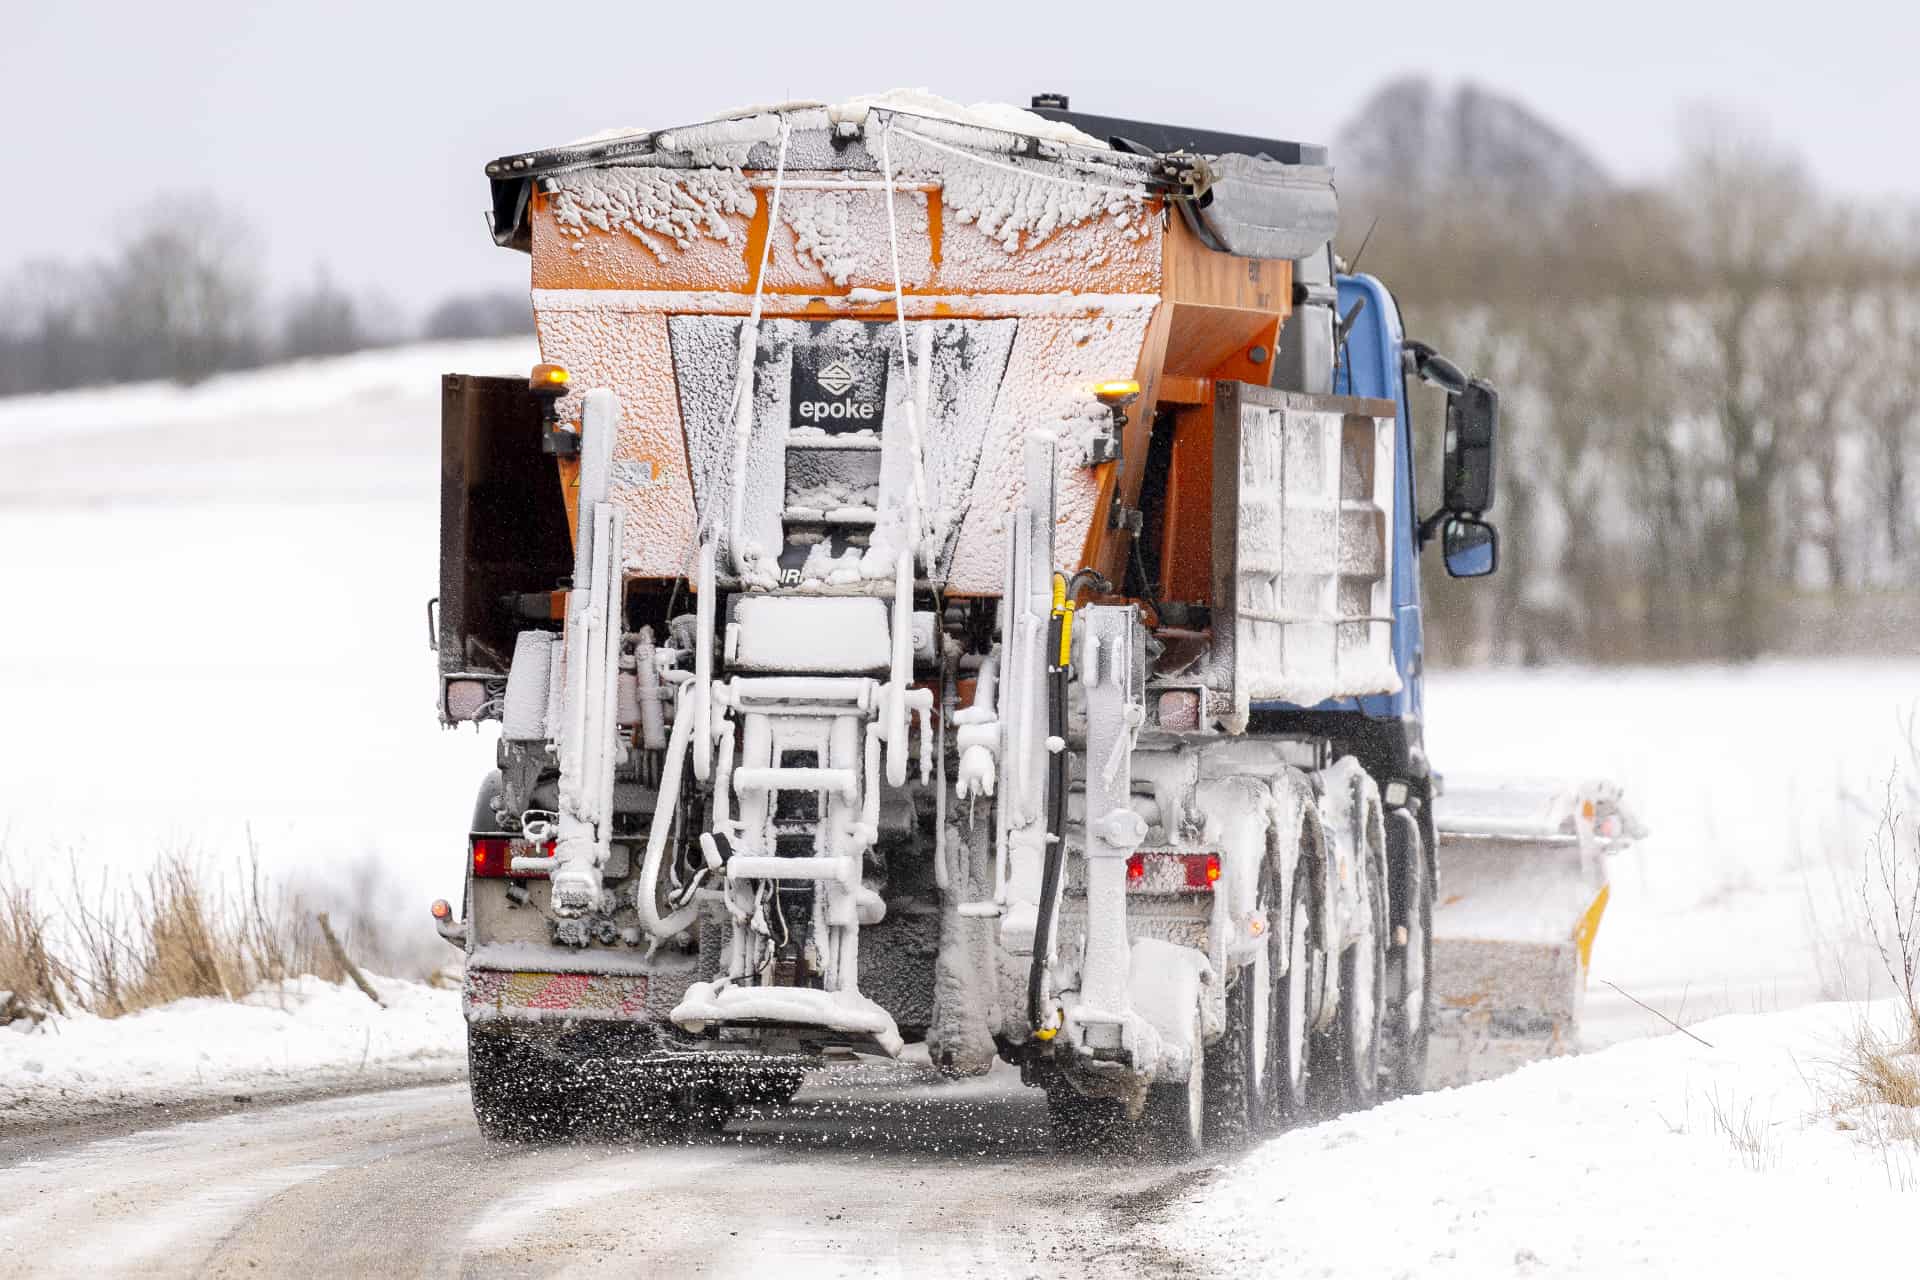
(558, 443)
(1123, 829)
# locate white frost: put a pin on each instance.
(983, 115)
(848, 1011)
(657, 207)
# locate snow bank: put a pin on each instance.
(1662, 1157)
(305, 1035)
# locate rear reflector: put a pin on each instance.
(1172, 872)
(466, 700)
(1180, 711)
(493, 857)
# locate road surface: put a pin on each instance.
(855, 1178)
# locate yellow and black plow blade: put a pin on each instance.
(1522, 886)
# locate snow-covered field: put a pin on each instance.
(1760, 785)
(219, 629)
(219, 623)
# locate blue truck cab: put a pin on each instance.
(1373, 358)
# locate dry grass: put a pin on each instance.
(1752, 1135)
(189, 929)
(1877, 1094)
(1886, 1077)
(32, 981)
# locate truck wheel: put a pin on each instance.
(769, 1089)
(1363, 980)
(1288, 1030)
(513, 1097)
(1409, 964)
(1239, 1103)
(1175, 1119)
(706, 1108)
(1081, 1123)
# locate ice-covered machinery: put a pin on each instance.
(953, 583)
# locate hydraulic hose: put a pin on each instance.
(645, 901)
(1059, 648)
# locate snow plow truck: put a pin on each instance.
(953, 581)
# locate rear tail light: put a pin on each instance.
(1172, 872)
(493, 856)
(465, 700)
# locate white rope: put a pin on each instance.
(917, 516)
(773, 221)
(743, 372)
(1040, 174)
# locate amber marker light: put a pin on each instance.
(1118, 393)
(551, 379)
(442, 910)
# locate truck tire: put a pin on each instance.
(1409, 964)
(705, 1108)
(1240, 1068)
(1080, 1123)
(514, 1098)
(1363, 980)
(1290, 1047)
(769, 1089)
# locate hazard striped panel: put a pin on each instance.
(494, 993)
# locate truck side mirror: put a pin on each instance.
(1469, 548)
(1473, 422)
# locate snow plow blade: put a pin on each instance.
(1522, 887)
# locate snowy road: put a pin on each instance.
(1740, 1150)
(863, 1181)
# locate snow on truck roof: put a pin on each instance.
(1266, 197)
(914, 102)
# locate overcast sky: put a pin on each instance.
(353, 133)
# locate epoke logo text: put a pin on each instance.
(838, 379)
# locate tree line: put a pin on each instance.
(179, 295)
(1711, 403)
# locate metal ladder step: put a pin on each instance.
(842, 782)
(838, 443)
(760, 867)
(834, 515)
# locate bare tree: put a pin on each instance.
(503, 314)
(1828, 352)
(322, 321)
(48, 338)
(1890, 420)
(1751, 226)
(180, 297)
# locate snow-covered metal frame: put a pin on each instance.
(1304, 501)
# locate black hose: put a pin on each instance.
(1056, 849)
